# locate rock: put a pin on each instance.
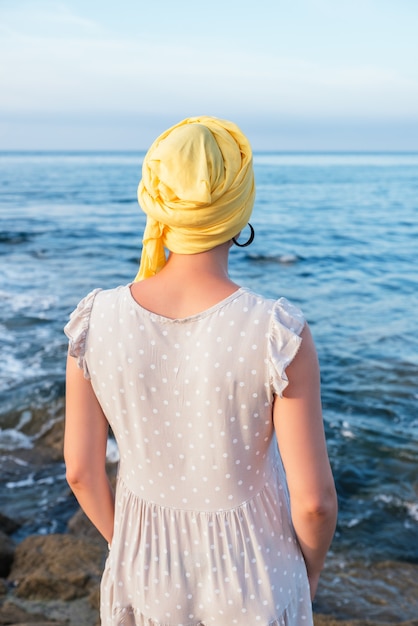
(80, 526)
(52, 440)
(3, 588)
(56, 567)
(329, 620)
(7, 550)
(12, 615)
(94, 598)
(364, 594)
(49, 612)
(7, 525)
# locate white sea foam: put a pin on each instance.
(29, 481)
(346, 431)
(15, 459)
(353, 522)
(25, 418)
(14, 370)
(10, 439)
(112, 451)
(384, 497)
(412, 508)
(288, 259)
(25, 302)
(48, 480)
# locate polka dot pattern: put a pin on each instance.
(202, 524)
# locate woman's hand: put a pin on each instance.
(313, 584)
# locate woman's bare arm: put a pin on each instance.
(300, 434)
(85, 441)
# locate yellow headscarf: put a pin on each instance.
(197, 189)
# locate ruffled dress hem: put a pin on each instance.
(134, 617)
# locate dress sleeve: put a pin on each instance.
(287, 323)
(77, 329)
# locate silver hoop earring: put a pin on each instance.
(247, 243)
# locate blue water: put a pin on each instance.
(335, 233)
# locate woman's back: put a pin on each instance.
(192, 393)
(190, 403)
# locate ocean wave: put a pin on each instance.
(112, 451)
(395, 502)
(33, 301)
(16, 370)
(282, 259)
(12, 439)
(29, 481)
(15, 238)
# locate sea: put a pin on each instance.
(336, 234)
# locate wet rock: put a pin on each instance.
(94, 598)
(11, 615)
(55, 612)
(328, 620)
(7, 551)
(325, 620)
(52, 440)
(35, 458)
(56, 567)
(3, 588)
(80, 526)
(382, 592)
(7, 525)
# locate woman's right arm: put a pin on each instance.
(85, 440)
(301, 438)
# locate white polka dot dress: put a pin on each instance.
(203, 534)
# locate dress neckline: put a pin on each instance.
(189, 318)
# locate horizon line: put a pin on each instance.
(41, 151)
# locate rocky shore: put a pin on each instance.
(53, 580)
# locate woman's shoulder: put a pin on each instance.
(111, 293)
(109, 296)
(279, 307)
(97, 298)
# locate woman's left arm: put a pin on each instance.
(85, 440)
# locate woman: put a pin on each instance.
(225, 503)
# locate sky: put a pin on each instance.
(293, 74)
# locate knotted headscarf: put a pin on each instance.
(197, 189)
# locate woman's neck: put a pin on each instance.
(188, 284)
(209, 264)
